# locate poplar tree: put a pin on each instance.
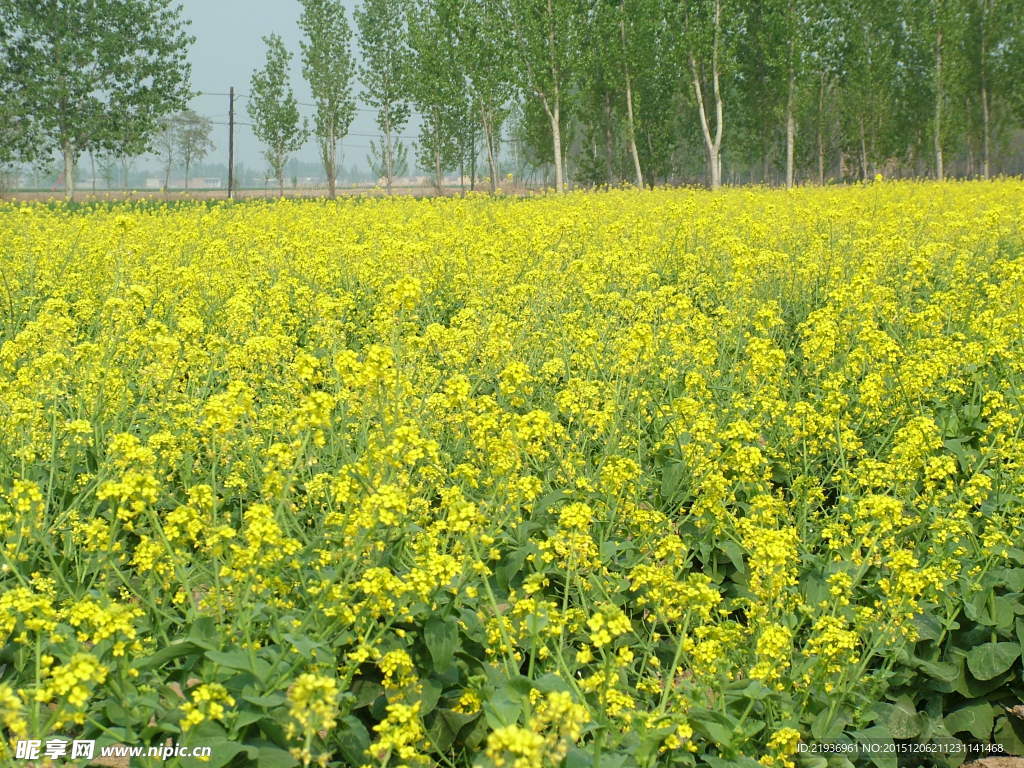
(328, 66)
(545, 37)
(385, 72)
(274, 110)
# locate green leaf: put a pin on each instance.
(671, 479)
(240, 660)
(274, 757)
(353, 740)
(428, 697)
(903, 721)
(548, 500)
(222, 752)
(1011, 578)
(748, 689)
(550, 683)
(928, 627)
(877, 735)
(445, 726)
(442, 639)
(829, 724)
(503, 707)
(1009, 733)
(975, 718)
(944, 671)
(992, 659)
(175, 650)
(267, 701)
(734, 552)
(713, 725)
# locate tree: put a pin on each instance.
(437, 84)
(707, 26)
(166, 145)
(108, 170)
(328, 67)
(545, 35)
(484, 57)
(273, 109)
(940, 23)
(193, 139)
(94, 75)
(385, 71)
(629, 15)
(995, 34)
(382, 161)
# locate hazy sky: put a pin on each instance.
(229, 47)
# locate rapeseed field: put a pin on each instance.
(605, 479)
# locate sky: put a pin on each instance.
(229, 47)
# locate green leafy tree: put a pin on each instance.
(994, 38)
(437, 84)
(708, 40)
(485, 58)
(92, 75)
(328, 66)
(383, 42)
(545, 37)
(274, 110)
(193, 139)
(940, 24)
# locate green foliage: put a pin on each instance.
(273, 109)
(385, 70)
(329, 67)
(90, 75)
(194, 142)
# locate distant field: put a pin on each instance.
(622, 479)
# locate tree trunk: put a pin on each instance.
(69, 171)
(940, 171)
(985, 135)
(472, 161)
(489, 138)
(790, 129)
(438, 184)
(389, 161)
(821, 131)
(863, 152)
(712, 146)
(986, 130)
(188, 164)
(630, 122)
(609, 142)
(331, 166)
(556, 138)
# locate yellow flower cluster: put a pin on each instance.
(502, 481)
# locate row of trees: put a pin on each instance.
(654, 90)
(600, 91)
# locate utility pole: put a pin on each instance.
(231, 141)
